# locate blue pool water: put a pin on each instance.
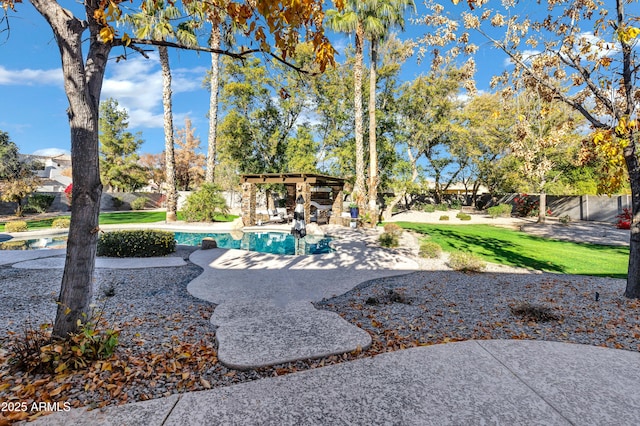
(263, 242)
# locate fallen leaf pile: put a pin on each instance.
(167, 344)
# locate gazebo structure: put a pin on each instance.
(295, 184)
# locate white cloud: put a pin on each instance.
(137, 86)
(526, 57)
(608, 48)
(598, 46)
(51, 152)
(31, 77)
(188, 79)
(144, 118)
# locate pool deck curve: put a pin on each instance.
(265, 314)
(502, 382)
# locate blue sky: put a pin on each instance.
(33, 102)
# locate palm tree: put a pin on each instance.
(378, 17)
(214, 43)
(154, 22)
(214, 14)
(371, 19)
(348, 21)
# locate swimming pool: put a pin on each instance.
(263, 242)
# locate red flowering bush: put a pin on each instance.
(525, 206)
(68, 192)
(624, 219)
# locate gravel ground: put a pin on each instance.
(440, 306)
(167, 344)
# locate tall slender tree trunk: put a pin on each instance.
(542, 207)
(373, 150)
(388, 211)
(631, 161)
(169, 150)
(633, 275)
(213, 104)
(82, 84)
(359, 187)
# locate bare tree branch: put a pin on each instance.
(236, 55)
(573, 61)
(545, 83)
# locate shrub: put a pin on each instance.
(444, 217)
(565, 220)
(456, 204)
(36, 351)
(389, 240)
(428, 208)
(466, 262)
(624, 219)
(463, 216)
(368, 219)
(61, 222)
(38, 203)
(443, 207)
(204, 204)
(14, 245)
(16, 226)
(117, 202)
(139, 203)
(500, 210)
(68, 191)
(526, 206)
(136, 243)
(430, 250)
(393, 228)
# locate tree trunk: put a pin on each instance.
(403, 193)
(542, 207)
(437, 189)
(358, 188)
(169, 150)
(373, 151)
(633, 275)
(83, 84)
(631, 161)
(213, 104)
(388, 211)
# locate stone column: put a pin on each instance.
(291, 198)
(336, 208)
(248, 204)
(304, 189)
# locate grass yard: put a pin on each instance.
(119, 218)
(515, 248)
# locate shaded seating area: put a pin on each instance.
(277, 215)
(320, 213)
(321, 206)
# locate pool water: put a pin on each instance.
(263, 242)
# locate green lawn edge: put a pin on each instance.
(516, 248)
(116, 218)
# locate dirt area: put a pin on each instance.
(476, 218)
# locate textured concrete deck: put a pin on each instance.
(476, 382)
(264, 315)
(501, 382)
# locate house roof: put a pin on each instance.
(290, 178)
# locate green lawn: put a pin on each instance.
(120, 218)
(508, 247)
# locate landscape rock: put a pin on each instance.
(209, 243)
